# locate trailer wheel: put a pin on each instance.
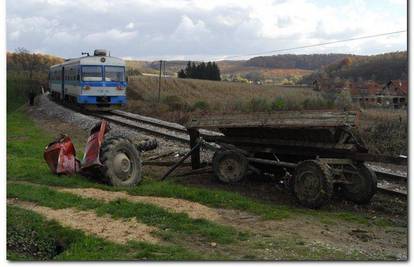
(363, 184)
(312, 183)
(229, 166)
(121, 162)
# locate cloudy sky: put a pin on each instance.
(213, 29)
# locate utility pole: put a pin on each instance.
(159, 83)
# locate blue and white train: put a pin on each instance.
(95, 82)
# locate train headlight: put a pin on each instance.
(86, 87)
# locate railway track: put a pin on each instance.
(389, 182)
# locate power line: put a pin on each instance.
(319, 44)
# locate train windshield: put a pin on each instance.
(114, 74)
(92, 73)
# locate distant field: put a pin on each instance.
(235, 67)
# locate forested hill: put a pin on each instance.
(289, 61)
(380, 68)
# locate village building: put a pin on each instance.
(393, 94)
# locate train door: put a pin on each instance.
(63, 84)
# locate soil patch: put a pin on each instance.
(192, 209)
(117, 231)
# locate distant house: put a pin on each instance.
(370, 93)
(395, 94)
(396, 88)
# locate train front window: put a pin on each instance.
(92, 73)
(114, 74)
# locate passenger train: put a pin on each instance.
(95, 82)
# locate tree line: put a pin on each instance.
(203, 71)
(290, 61)
(380, 68)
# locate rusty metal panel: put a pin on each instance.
(93, 145)
(60, 156)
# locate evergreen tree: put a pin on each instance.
(209, 71)
(181, 74)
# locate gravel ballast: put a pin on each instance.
(48, 109)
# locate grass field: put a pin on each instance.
(180, 98)
(32, 236)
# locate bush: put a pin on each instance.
(385, 131)
(278, 104)
(175, 103)
(343, 100)
(201, 105)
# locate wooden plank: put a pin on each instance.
(282, 119)
(277, 142)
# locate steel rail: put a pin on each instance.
(158, 132)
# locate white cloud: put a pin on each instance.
(130, 26)
(201, 28)
(111, 35)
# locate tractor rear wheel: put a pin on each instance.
(363, 184)
(229, 166)
(121, 162)
(312, 183)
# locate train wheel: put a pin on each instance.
(312, 183)
(363, 184)
(229, 166)
(121, 162)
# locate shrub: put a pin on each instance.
(343, 100)
(201, 105)
(278, 104)
(175, 103)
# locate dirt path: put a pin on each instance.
(117, 231)
(192, 209)
(347, 236)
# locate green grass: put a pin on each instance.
(149, 214)
(31, 237)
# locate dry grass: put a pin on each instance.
(214, 92)
(182, 97)
(385, 130)
(237, 67)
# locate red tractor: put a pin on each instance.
(114, 159)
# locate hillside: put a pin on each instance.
(380, 68)
(289, 61)
(274, 67)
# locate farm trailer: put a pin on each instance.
(314, 152)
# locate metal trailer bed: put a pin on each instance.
(313, 151)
